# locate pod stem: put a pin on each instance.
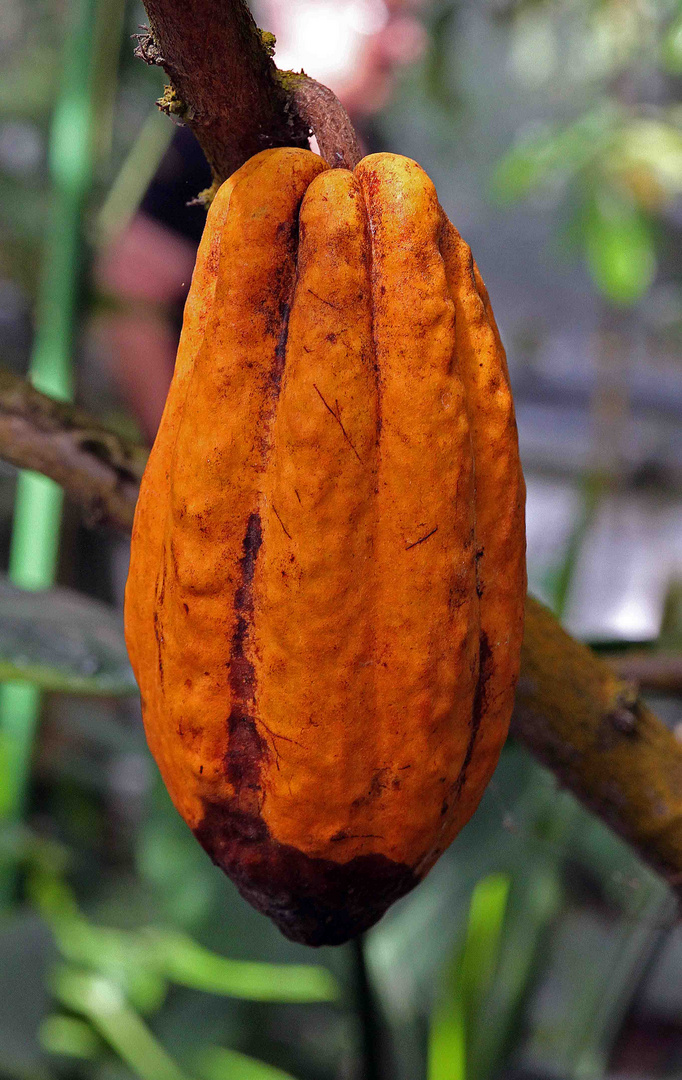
(231, 94)
(371, 1034)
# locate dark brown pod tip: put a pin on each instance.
(312, 901)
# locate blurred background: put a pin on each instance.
(538, 947)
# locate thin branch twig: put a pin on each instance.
(324, 114)
(660, 672)
(371, 1033)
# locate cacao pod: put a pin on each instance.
(325, 601)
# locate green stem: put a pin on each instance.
(370, 1025)
(133, 178)
(37, 515)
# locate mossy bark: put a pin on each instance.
(601, 742)
(221, 69)
(225, 86)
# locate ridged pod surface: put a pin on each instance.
(325, 601)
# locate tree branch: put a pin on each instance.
(95, 466)
(659, 672)
(224, 81)
(322, 111)
(601, 742)
(225, 86)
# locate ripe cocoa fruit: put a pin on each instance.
(325, 602)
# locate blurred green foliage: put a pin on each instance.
(624, 170)
(468, 980)
(62, 641)
(616, 164)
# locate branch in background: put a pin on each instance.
(95, 467)
(659, 672)
(601, 742)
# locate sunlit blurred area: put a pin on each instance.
(539, 947)
(357, 47)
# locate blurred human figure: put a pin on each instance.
(353, 46)
(145, 274)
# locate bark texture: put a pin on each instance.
(225, 86)
(224, 83)
(321, 110)
(591, 729)
(95, 466)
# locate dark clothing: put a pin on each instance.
(182, 174)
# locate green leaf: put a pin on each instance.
(619, 247)
(182, 960)
(484, 933)
(105, 1006)
(524, 168)
(647, 153)
(468, 980)
(534, 903)
(141, 962)
(447, 1041)
(135, 174)
(555, 155)
(671, 47)
(116, 954)
(69, 1036)
(62, 641)
(216, 1063)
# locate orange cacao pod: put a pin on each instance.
(325, 602)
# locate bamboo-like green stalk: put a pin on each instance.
(133, 178)
(35, 536)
